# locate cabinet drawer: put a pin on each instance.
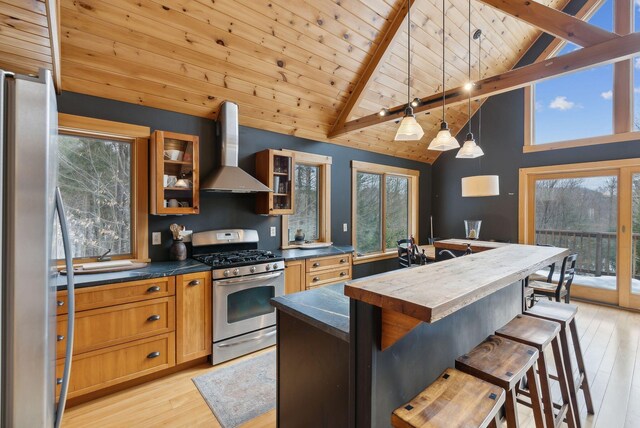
(99, 328)
(99, 369)
(321, 263)
(115, 294)
(318, 279)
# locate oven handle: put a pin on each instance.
(252, 278)
(251, 339)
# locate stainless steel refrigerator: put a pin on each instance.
(30, 202)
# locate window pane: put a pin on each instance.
(369, 213)
(635, 247)
(307, 204)
(397, 210)
(636, 91)
(95, 180)
(578, 105)
(581, 214)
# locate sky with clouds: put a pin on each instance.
(580, 105)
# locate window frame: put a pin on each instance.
(622, 86)
(324, 197)
(138, 136)
(414, 205)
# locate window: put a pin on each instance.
(102, 178)
(385, 209)
(586, 107)
(312, 181)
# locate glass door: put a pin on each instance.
(579, 211)
(630, 238)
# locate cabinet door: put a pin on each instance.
(193, 316)
(294, 276)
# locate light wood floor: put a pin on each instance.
(609, 337)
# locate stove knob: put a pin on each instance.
(275, 265)
(236, 271)
(252, 269)
(267, 267)
(226, 272)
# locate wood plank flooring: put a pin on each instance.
(610, 339)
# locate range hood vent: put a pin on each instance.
(228, 177)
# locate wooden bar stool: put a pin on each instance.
(543, 334)
(565, 314)
(505, 363)
(455, 399)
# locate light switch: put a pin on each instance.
(273, 231)
(344, 227)
(156, 238)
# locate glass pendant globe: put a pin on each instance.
(470, 149)
(409, 129)
(444, 141)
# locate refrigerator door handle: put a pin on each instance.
(71, 300)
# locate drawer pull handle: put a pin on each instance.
(153, 289)
(343, 273)
(59, 338)
(60, 303)
(316, 279)
(343, 260)
(59, 381)
(316, 264)
(154, 355)
(194, 282)
(153, 318)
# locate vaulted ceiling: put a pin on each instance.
(292, 66)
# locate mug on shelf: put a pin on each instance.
(169, 180)
(173, 203)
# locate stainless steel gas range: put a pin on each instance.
(244, 281)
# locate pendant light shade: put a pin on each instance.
(410, 129)
(470, 149)
(480, 185)
(444, 140)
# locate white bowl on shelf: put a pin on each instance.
(175, 155)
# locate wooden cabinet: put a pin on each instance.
(193, 308)
(123, 331)
(315, 272)
(275, 169)
(175, 187)
(294, 276)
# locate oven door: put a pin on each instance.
(242, 305)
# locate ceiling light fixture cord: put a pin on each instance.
(471, 88)
(443, 62)
(409, 53)
(480, 101)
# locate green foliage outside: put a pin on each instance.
(307, 216)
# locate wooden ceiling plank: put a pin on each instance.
(22, 25)
(335, 11)
(623, 47)
(242, 65)
(28, 63)
(23, 14)
(148, 12)
(15, 48)
(27, 46)
(248, 21)
(554, 22)
(378, 57)
(29, 5)
(33, 39)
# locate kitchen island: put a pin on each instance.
(407, 326)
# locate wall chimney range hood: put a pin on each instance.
(228, 177)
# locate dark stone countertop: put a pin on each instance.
(300, 254)
(152, 270)
(326, 308)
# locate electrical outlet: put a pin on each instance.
(344, 227)
(156, 238)
(273, 231)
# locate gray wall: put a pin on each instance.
(219, 210)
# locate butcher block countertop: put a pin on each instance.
(431, 292)
(461, 245)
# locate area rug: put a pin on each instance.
(241, 391)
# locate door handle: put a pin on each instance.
(154, 318)
(153, 289)
(194, 283)
(155, 354)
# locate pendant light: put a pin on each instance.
(443, 141)
(410, 129)
(470, 149)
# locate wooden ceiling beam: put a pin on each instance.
(552, 21)
(620, 48)
(53, 19)
(374, 64)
